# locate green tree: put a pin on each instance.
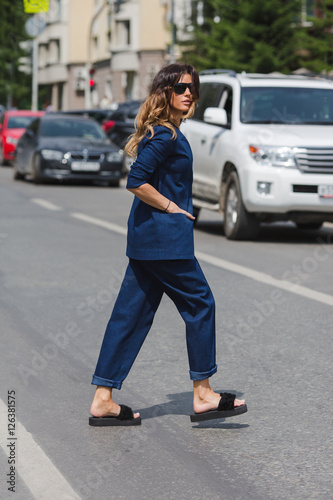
(315, 38)
(245, 35)
(14, 85)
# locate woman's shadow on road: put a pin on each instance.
(181, 404)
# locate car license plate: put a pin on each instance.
(325, 191)
(85, 166)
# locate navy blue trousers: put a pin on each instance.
(133, 314)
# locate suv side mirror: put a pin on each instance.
(216, 116)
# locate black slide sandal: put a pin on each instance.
(125, 418)
(225, 409)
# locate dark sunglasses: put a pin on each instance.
(180, 88)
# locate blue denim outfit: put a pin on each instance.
(167, 165)
(161, 260)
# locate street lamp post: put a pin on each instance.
(34, 100)
(35, 8)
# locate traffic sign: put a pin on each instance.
(35, 6)
(35, 25)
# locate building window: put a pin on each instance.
(54, 51)
(123, 33)
(53, 15)
(42, 55)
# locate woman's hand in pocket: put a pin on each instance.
(174, 209)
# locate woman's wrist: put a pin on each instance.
(167, 206)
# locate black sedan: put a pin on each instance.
(65, 147)
(118, 124)
(101, 116)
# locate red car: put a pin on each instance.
(12, 126)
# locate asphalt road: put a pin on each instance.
(62, 254)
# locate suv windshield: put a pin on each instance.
(72, 128)
(303, 106)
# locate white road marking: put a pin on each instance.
(34, 467)
(99, 222)
(215, 261)
(266, 278)
(46, 204)
(230, 266)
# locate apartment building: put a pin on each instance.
(62, 51)
(125, 42)
(128, 45)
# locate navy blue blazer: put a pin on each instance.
(166, 164)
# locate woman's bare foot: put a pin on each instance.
(205, 399)
(103, 405)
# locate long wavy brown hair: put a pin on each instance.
(156, 108)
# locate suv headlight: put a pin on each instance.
(52, 154)
(273, 156)
(114, 157)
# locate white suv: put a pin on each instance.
(263, 150)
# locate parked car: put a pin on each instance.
(118, 123)
(123, 122)
(65, 147)
(12, 126)
(263, 150)
(102, 116)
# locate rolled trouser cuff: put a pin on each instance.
(203, 375)
(106, 383)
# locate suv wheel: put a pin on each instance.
(238, 223)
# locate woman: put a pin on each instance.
(161, 256)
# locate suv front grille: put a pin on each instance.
(315, 160)
(301, 188)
